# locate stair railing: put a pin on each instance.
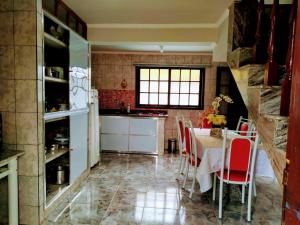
(258, 48)
(271, 70)
(286, 85)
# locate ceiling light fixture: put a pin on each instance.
(161, 49)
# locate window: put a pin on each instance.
(169, 87)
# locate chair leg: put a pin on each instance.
(193, 184)
(243, 194)
(183, 166)
(214, 187)
(254, 189)
(186, 175)
(249, 203)
(221, 200)
(180, 165)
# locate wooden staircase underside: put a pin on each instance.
(263, 104)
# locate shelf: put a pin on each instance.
(54, 190)
(53, 42)
(56, 80)
(55, 115)
(56, 119)
(57, 153)
(59, 115)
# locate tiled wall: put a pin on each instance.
(108, 70)
(111, 99)
(21, 98)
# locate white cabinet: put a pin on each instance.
(142, 126)
(114, 125)
(117, 142)
(114, 133)
(147, 144)
(131, 134)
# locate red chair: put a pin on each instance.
(192, 154)
(238, 165)
(181, 144)
(244, 128)
(244, 125)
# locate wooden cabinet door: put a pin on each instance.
(79, 76)
(79, 144)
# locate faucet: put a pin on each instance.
(128, 108)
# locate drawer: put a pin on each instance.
(116, 142)
(147, 144)
(143, 127)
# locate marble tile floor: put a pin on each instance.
(138, 189)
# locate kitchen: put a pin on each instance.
(70, 96)
(55, 67)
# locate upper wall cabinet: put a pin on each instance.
(79, 79)
(66, 15)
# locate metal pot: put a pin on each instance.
(60, 175)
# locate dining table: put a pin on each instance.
(209, 149)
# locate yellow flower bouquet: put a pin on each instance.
(217, 119)
(211, 117)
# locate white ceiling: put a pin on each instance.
(150, 14)
(149, 11)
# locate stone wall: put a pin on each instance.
(21, 99)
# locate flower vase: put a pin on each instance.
(216, 132)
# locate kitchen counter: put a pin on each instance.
(9, 169)
(134, 113)
(7, 155)
(132, 133)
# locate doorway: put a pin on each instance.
(226, 85)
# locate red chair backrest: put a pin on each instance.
(240, 154)
(206, 124)
(181, 130)
(188, 140)
(244, 127)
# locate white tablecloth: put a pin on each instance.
(210, 150)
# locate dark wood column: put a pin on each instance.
(286, 86)
(291, 201)
(271, 70)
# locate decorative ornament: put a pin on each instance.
(123, 83)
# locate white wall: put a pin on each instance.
(220, 51)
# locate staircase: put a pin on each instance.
(263, 104)
(262, 101)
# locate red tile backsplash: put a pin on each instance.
(111, 99)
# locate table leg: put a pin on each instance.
(13, 193)
(228, 193)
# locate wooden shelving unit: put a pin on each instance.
(57, 153)
(72, 123)
(56, 92)
(56, 80)
(53, 42)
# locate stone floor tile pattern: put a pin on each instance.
(141, 189)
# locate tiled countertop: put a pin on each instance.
(7, 155)
(134, 113)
